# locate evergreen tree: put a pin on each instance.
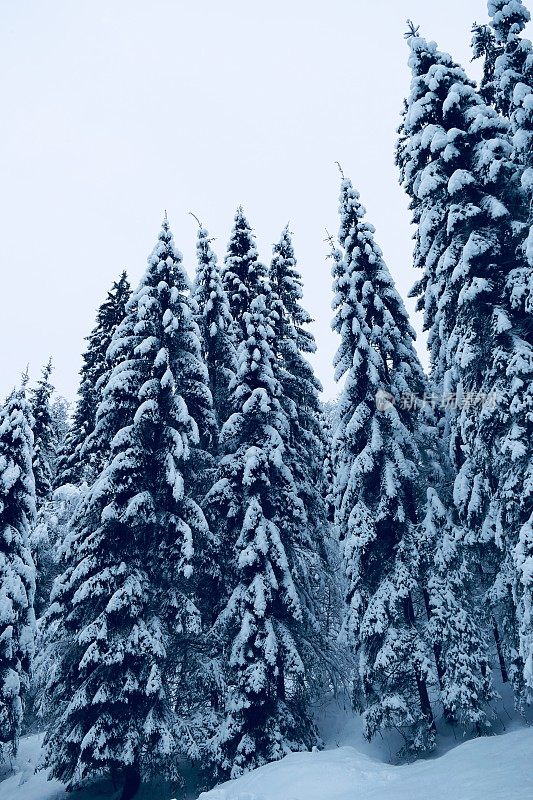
(328, 427)
(264, 629)
(244, 276)
(459, 176)
(514, 90)
(17, 572)
(484, 46)
(215, 323)
(47, 538)
(456, 162)
(59, 413)
(53, 512)
(123, 609)
(304, 439)
(79, 461)
(453, 600)
(508, 19)
(376, 474)
(44, 447)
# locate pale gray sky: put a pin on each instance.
(114, 111)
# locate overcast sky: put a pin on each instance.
(115, 111)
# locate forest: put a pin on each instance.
(200, 550)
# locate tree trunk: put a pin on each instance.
(436, 646)
(503, 667)
(280, 688)
(423, 694)
(132, 782)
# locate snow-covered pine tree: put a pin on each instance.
(300, 400)
(508, 18)
(17, 572)
(52, 515)
(514, 90)
(215, 323)
(484, 46)
(456, 163)
(79, 461)
(44, 447)
(376, 478)
(244, 276)
(458, 174)
(123, 610)
(263, 634)
(453, 598)
(59, 413)
(329, 409)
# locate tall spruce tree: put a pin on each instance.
(452, 599)
(17, 572)
(44, 437)
(376, 474)
(215, 323)
(78, 460)
(123, 609)
(484, 46)
(456, 163)
(300, 399)
(264, 631)
(508, 18)
(244, 276)
(513, 78)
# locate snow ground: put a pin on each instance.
(490, 768)
(496, 767)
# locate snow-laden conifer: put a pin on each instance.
(17, 572)
(484, 46)
(508, 18)
(455, 611)
(44, 447)
(455, 160)
(123, 609)
(263, 630)
(376, 478)
(329, 410)
(457, 165)
(514, 87)
(215, 323)
(244, 276)
(300, 400)
(78, 461)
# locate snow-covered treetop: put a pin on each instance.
(509, 18)
(160, 338)
(369, 310)
(287, 290)
(244, 276)
(514, 64)
(208, 291)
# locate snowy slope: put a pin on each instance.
(491, 768)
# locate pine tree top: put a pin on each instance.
(287, 290)
(370, 311)
(242, 238)
(208, 291)
(508, 19)
(166, 257)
